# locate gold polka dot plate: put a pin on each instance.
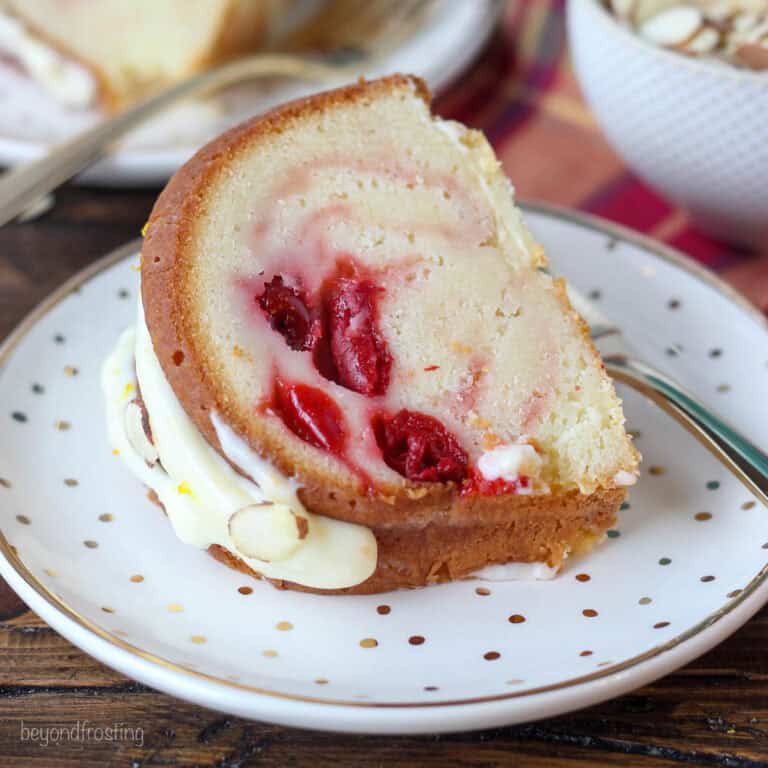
(686, 565)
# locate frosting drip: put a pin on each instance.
(204, 495)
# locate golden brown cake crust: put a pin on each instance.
(416, 557)
(545, 532)
(422, 529)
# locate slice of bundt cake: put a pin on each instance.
(342, 295)
(129, 48)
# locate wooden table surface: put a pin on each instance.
(713, 712)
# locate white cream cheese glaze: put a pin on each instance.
(516, 572)
(65, 79)
(623, 478)
(202, 493)
(510, 462)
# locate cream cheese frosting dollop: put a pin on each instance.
(511, 462)
(208, 501)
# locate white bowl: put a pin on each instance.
(695, 129)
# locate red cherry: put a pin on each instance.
(420, 448)
(477, 484)
(310, 414)
(289, 313)
(358, 352)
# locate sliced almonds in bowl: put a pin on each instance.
(750, 46)
(732, 31)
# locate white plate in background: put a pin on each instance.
(31, 121)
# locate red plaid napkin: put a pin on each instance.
(522, 93)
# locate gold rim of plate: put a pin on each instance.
(594, 223)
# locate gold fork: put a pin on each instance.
(346, 37)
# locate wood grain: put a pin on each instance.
(38, 256)
(712, 713)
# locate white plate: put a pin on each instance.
(31, 122)
(685, 567)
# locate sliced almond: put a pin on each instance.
(759, 33)
(753, 55)
(137, 437)
(752, 6)
(744, 29)
(706, 40)
(268, 532)
(646, 9)
(721, 12)
(674, 27)
(743, 23)
(624, 9)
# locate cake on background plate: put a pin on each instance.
(112, 52)
(349, 371)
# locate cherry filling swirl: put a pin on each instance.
(420, 448)
(310, 414)
(341, 324)
(357, 351)
(288, 312)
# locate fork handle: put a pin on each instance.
(738, 454)
(25, 184)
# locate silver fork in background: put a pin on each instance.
(354, 34)
(736, 452)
